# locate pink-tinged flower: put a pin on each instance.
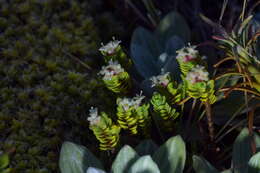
(187, 54)
(197, 74)
(160, 80)
(112, 69)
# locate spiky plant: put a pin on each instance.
(104, 129)
(164, 111)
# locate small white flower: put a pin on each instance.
(187, 54)
(110, 47)
(112, 69)
(93, 118)
(197, 74)
(162, 80)
(135, 102)
(126, 103)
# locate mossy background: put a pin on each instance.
(45, 93)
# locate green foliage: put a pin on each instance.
(44, 91)
(106, 132)
(120, 83)
(133, 117)
(170, 157)
(76, 159)
(241, 46)
(203, 90)
(243, 160)
(152, 52)
(4, 162)
(164, 111)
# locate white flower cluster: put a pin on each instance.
(187, 54)
(197, 74)
(162, 80)
(110, 47)
(112, 69)
(131, 102)
(93, 118)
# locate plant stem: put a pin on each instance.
(210, 121)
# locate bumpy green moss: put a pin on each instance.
(45, 93)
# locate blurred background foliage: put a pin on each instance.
(48, 65)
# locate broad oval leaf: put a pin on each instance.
(146, 147)
(76, 159)
(124, 159)
(144, 61)
(144, 164)
(94, 170)
(171, 156)
(173, 24)
(148, 41)
(201, 165)
(241, 152)
(254, 163)
(171, 65)
(173, 44)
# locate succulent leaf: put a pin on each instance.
(144, 164)
(76, 159)
(202, 166)
(173, 24)
(171, 156)
(124, 160)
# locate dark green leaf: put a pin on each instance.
(173, 24)
(143, 60)
(201, 165)
(147, 41)
(146, 147)
(241, 152)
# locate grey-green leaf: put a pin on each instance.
(227, 171)
(144, 164)
(94, 170)
(76, 159)
(144, 61)
(148, 41)
(201, 165)
(124, 159)
(171, 156)
(146, 147)
(173, 24)
(241, 152)
(173, 44)
(254, 163)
